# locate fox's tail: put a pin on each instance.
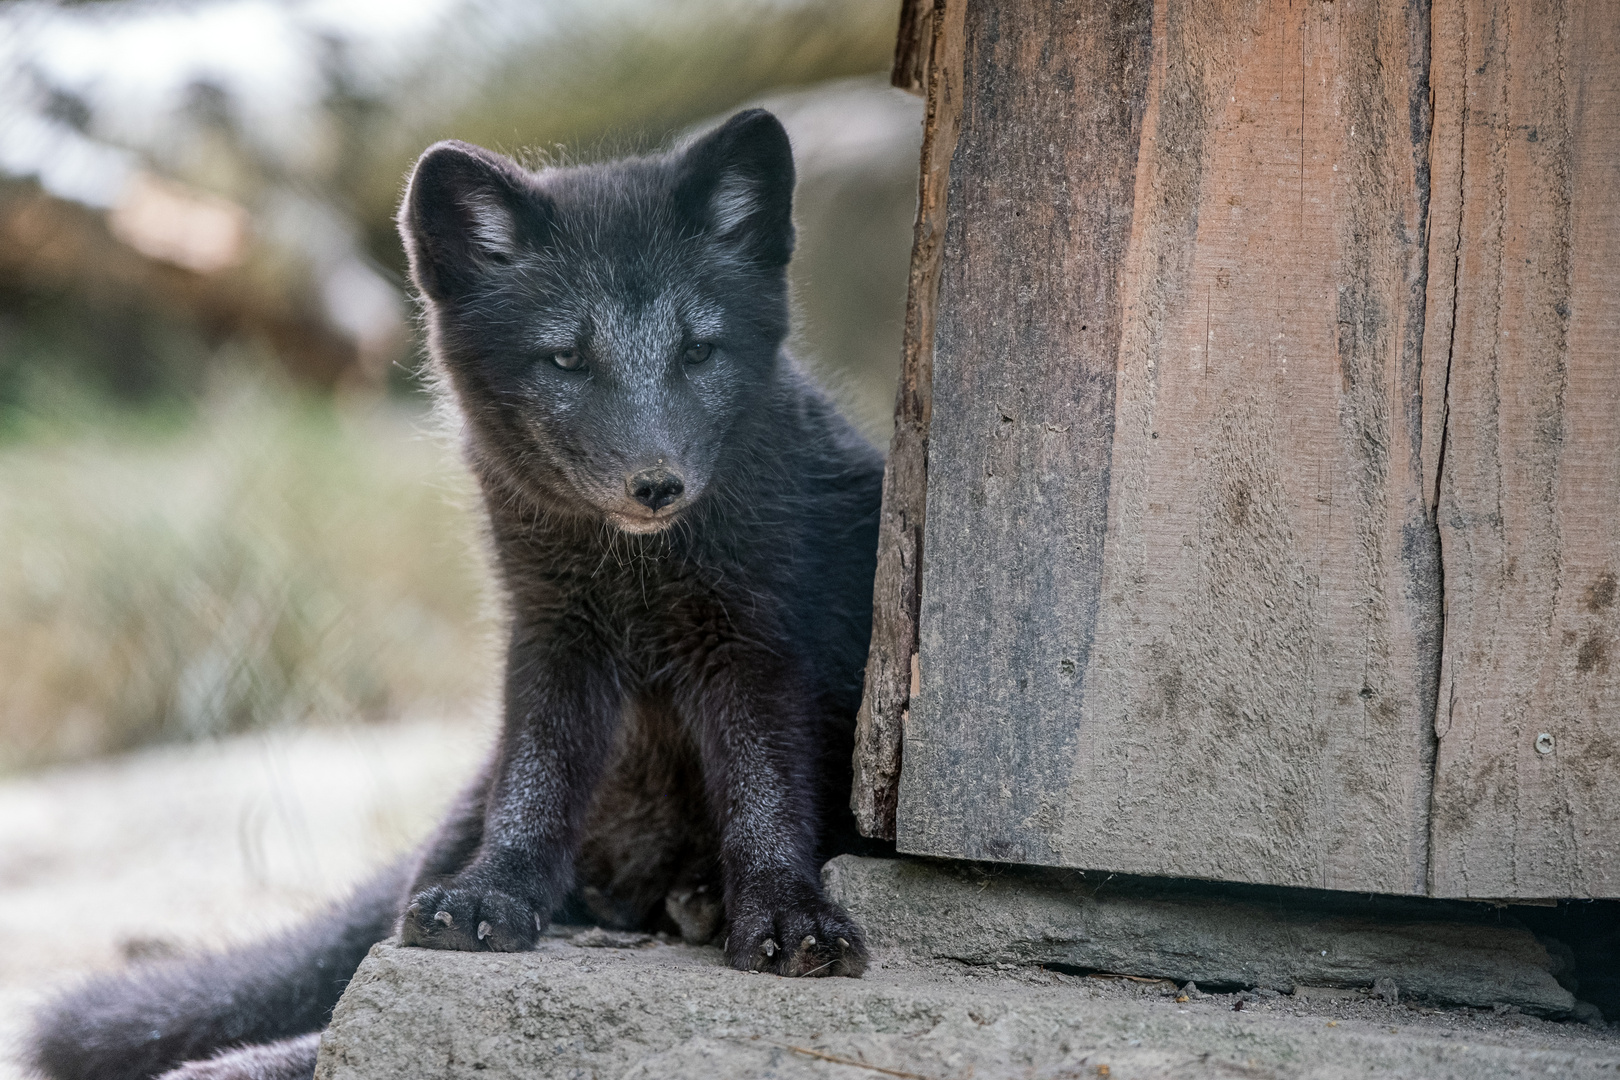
(139, 1023)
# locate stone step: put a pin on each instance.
(672, 1012)
(1209, 934)
(957, 989)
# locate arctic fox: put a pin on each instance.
(685, 533)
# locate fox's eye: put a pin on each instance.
(567, 359)
(696, 354)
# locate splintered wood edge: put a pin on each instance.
(897, 586)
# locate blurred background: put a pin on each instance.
(221, 503)
(243, 620)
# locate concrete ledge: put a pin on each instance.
(1214, 935)
(669, 1012)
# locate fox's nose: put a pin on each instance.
(654, 488)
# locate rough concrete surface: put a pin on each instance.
(671, 1012)
(987, 915)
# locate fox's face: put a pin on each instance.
(606, 328)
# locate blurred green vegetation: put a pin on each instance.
(272, 556)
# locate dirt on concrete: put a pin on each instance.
(673, 1012)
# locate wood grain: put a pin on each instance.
(891, 663)
(1027, 332)
(1528, 485)
(1181, 601)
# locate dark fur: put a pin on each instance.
(682, 675)
(155, 1016)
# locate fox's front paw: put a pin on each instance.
(469, 919)
(795, 933)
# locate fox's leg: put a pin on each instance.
(760, 766)
(290, 1059)
(456, 838)
(562, 709)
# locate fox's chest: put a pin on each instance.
(653, 621)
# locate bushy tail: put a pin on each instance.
(139, 1023)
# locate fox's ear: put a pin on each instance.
(467, 210)
(737, 182)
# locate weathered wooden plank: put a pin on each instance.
(892, 659)
(1181, 599)
(1529, 480)
(1027, 332)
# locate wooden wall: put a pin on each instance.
(1265, 407)
(1524, 343)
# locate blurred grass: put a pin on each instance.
(603, 80)
(274, 557)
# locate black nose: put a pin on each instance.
(654, 488)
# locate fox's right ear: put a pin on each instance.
(465, 211)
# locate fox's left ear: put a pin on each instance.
(737, 182)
